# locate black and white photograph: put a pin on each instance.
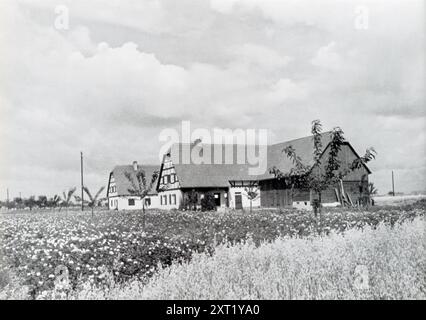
(220, 150)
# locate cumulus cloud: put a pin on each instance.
(327, 57)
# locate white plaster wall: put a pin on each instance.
(245, 200)
(302, 205)
(123, 203)
(167, 193)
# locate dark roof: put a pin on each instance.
(123, 184)
(218, 175)
(303, 148)
(208, 175)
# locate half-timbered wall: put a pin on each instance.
(170, 194)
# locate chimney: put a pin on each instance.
(135, 165)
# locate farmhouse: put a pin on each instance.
(119, 197)
(229, 182)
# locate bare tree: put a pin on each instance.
(54, 201)
(252, 193)
(93, 200)
(141, 188)
(66, 198)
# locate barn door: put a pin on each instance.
(238, 201)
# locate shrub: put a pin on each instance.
(208, 203)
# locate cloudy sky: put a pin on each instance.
(124, 70)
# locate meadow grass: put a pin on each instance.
(294, 268)
(108, 257)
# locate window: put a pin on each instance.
(172, 178)
(173, 201)
(165, 200)
(147, 202)
(131, 202)
(112, 203)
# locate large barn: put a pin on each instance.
(229, 181)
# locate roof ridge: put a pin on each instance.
(140, 165)
(322, 133)
(238, 144)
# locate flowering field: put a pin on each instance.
(374, 263)
(93, 249)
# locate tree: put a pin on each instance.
(54, 201)
(93, 200)
(141, 188)
(190, 200)
(18, 203)
(66, 198)
(208, 202)
(30, 202)
(320, 176)
(252, 193)
(371, 191)
(77, 200)
(42, 201)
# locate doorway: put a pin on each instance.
(238, 201)
(217, 199)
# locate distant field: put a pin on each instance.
(397, 200)
(110, 247)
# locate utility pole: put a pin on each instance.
(393, 185)
(82, 185)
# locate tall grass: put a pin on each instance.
(294, 268)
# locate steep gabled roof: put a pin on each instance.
(212, 175)
(303, 148)
(123, 184)
(193, 175)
